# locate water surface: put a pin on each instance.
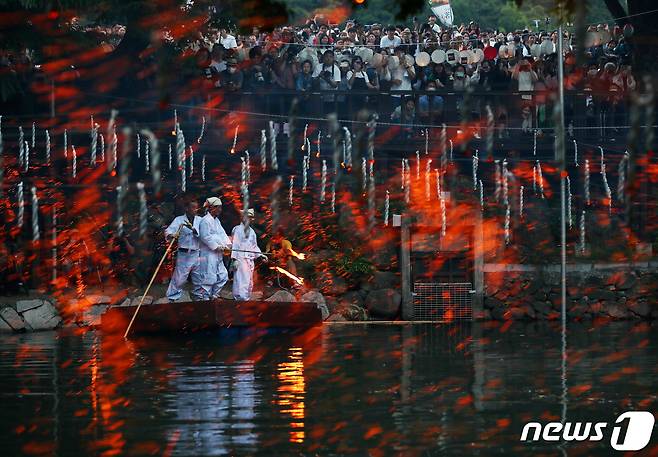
(461, 389)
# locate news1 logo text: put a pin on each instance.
(631, 431)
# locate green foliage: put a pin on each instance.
(501, 14)
(352, 265)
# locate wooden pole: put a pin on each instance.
(171, 243)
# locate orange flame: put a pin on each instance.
(297, 279)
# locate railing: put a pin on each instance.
(588, 114)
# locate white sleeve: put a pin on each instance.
(336, 73)
(234, 243)
(173, 227)
(208, 238)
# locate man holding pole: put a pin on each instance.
(244, 251)
(211, 275)
(187, 258)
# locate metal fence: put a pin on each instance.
(442, 301)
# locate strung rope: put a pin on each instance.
(27, 156)
(305, 163)
(505, 175)
(333, 196)
(35, 216)
(497, 180)
(273, 157)
(235, 137)
(248, 165)
(147, 154)
(407, 186)
(143, 210)
(21, 205)
(348, 148)
(305, 137)
(180, 157)
(323, 180)
(371, 193)
(569, 198)
(587, 195)
(203, 130)
(428, 178)
(114, 145)
(21, 147)
(263, 150)
(621, 177)
(582, 232)
(74, 162)
(521, 189)
(444, 147)
(474, 167)
(94, 142)
(153, 152)
(386, 208)
(540, 178)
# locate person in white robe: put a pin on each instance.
(244, 252)
(187, 256)
(211, 275)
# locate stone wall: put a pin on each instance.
(628, 291)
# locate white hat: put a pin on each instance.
(212, 201)
(250, 212)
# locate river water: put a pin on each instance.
(460, 389)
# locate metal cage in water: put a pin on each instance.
(434, 301)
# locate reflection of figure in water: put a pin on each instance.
(215, 409)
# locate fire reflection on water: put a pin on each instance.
(291, 392)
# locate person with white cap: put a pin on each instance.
(244, 252)
(187, 257)
(211, 275)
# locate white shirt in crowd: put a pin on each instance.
(385, 42)
(401, 74)
(360, 74)
(228, 42)
(187, 239)
(218, 66)
(335, 75)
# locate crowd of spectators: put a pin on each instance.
(367, 64)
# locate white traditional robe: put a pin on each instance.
(243, 280)
(187, 257)
(211, 275)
